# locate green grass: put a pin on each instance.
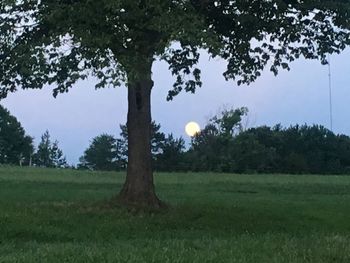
(58, 216)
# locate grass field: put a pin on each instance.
(59, 216)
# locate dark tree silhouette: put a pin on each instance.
(15, 146)
(102, 154)
(49, 154)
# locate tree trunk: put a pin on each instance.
(138, 190)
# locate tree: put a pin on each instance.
(60, 42)
(171, 156)
(157, 140)
(210, 149)
(15, 146)
(102, 154)
(57, 157)
(296, 149)
(248, 154)
(49, 154)
(229, 121)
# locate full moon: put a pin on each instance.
(192, 128)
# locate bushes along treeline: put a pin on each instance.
(224, 145)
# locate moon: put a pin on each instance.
(192, 128)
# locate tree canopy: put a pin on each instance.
(109, 153)
(60, 42)
(157, 139)
(15, 146)
(49, 154)
(104, 154)
(295, 149)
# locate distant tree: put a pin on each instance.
(104, 153)
(49, 154)
(205, 150)
(248, 154)
(123, 144)
(157, 140)
(108, 153)
(15, 146)
(210, 149)
(343, 150)
(310, 149)
(229, 121)
(171, 156)
(42, 156)
(296, 149)
(57, 157)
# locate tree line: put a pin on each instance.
(224, 145)
(109, 153)
(296, 149)
(17, 148)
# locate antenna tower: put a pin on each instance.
(330, 92)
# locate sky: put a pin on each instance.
(293, 97)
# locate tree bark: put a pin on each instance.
(138, 190)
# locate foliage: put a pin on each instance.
(166, 150)
(103, 154)
(171, 158)
(210, 149)
(49, 154)
(60, 42)
(109, 153)
(296, 149)
(229, 121)
(15, 146)
(225, 145)
(157, 139)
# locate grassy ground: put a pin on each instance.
(57, 216)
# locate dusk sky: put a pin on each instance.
(298, 96)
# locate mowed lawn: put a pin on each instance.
(61, 216)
